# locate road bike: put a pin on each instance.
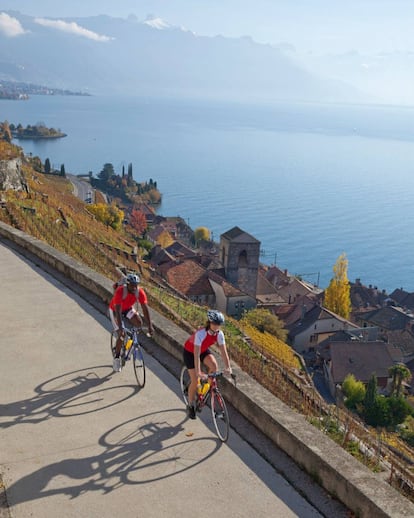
(131, 349)
(211, 395)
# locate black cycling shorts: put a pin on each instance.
(188, 358)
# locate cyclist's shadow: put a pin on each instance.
(62, 396)
(134, 453)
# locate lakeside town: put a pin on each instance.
(374, 335)
(21, 91)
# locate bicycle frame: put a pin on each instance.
(131, 333)
(134, 353)
(219, 413)
(202, 399)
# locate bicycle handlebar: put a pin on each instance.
(130, 330)
(214, 375)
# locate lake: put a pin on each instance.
(310, 181)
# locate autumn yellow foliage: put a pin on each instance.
(338, 293)
(271, 346)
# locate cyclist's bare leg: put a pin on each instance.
(118, 345)
(136, 320)
(211, 363)
(192, 389)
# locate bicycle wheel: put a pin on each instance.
(184, 383)
(139, 364)
(220, 416)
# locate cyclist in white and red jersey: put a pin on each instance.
(197, 350)
(123, 305)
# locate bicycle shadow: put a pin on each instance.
(73, 393)
(140, 451)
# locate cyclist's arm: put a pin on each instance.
(147, 317)
(197, 363)
(225, 357)
(118, 315)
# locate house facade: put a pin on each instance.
(314, 326)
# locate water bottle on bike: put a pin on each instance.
(203, 386)
(128, 348)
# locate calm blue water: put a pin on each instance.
(309, 181)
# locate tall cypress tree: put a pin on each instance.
(130, 178)
(47, 166)
(370, 401)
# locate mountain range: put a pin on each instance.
(106, 55)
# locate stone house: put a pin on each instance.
(395, 326)
(159, 235)
(229, 299)
(189, 279)
(403, 298)
(205, 287)
(367, 296)
(314, 326)
(362, 359)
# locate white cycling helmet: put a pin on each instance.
(132, 278)
(215, 317)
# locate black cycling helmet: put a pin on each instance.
(215, 317)
(132, 278)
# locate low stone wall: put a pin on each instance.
(362, 491)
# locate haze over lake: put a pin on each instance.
(310, 181)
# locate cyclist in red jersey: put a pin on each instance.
(123, 306)
(197, 350)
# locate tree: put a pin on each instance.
(165, 239)
(399, 373)
(338, 293)
(370, 400)
(354, 392)
(265, 321)
(130, 180)
(107, 172)
(62, 170)
(108, 214)
(201, 234)
(115, 217)
(398, 410)
(47, 166)
(138, 221)
(7, 135)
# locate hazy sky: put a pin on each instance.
(310, 25)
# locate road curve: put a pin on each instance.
(81, 441)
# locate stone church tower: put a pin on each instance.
(239, 253)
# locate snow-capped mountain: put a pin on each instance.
(102, 54)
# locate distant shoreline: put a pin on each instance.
(39, 137)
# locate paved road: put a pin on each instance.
(78, 440)
(82, 188)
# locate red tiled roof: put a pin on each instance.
(187, 277)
